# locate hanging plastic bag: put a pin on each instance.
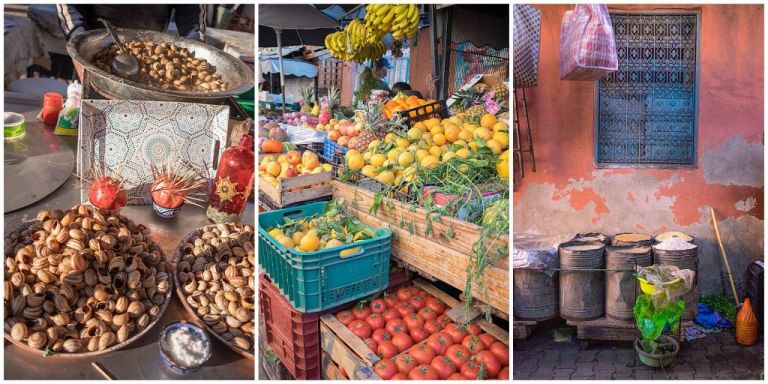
(526, 36)
(587, 44)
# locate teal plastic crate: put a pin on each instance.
(316, 281)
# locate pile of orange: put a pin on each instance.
(402, 102)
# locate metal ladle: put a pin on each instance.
(123, 64)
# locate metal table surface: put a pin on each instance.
(141, 359)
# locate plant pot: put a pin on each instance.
(164, 212)
(658, 360)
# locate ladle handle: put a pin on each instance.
(112, 32)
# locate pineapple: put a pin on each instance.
(327, 104)
(375, 125)
(307, 94)
(465, 99)
(501, 93)
(480, 88)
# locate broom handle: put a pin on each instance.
(725, 257)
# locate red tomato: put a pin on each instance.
(444, 367)
(436, 305)
(390, 314)
(473, 343)
(402, 341)
(395, 326)
(459, 354)
(360, 312)
(432, 326)
(456, 331)
(405, 309)
(471, 370)
(375, 320)
(378, 306)
(491, 363)
(439, 342)
(413, 321)
(423, 372)
(487, 339)
(422, 353)
(399, 376)
(427, 313)
(405, 363)
(381, 335)
(417, 302)
(474, 329)
(403, 294)
(345, 317)
(444, 320)
(372, 344)
(503, 374)
(457, 376)
(386, 350)
(385, 368)
(391, 301)
(501, 351)
(360, 328)
(419, 334)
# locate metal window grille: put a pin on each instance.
(646, 111)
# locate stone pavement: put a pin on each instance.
(716, 356)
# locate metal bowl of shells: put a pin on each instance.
(172, 68)
(81, 283)
(215, 281)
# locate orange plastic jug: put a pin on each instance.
(746, 325)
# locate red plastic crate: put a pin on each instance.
(294, 336)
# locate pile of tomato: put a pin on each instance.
(417, 341)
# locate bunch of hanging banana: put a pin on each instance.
(402, 20)
(337, 44)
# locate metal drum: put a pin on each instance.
(621, 288)
(535, 295)
(631, 240)
(582, 293)
(683, 259)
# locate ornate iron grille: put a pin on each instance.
(647, 109)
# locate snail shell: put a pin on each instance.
(232, 322)
(72, 345)
(37, 340)
(35, 300)
(106, 340)
(52, 333)
(121, 319)
(104, 315)
(93, 344)
(60, 319)
(135, 309)
(242, 343)
(83, 313)
(19, 331)
(121, 305)
(122, 334)
(142, 321)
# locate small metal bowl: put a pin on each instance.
(166, 213)
(168, 359)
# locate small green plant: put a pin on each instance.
(720, 303)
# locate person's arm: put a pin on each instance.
(190, 21)
(71, 19)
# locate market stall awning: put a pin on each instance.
(291, 67)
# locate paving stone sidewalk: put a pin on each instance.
(716, 356)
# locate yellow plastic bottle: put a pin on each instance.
(746, 325)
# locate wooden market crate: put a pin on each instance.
(441, 254)
(347, 352)
(302, 188)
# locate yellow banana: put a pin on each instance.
(415, 17)
(388, 18)
(383, 10)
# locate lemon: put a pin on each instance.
(494, 146)
(389, 137)
(448, 155)
(367, 156)
(439, 139)
(500, 127)
(378, 159)
(429, 123)
(333, 243)
(502, 138)
(373, 144)
(405, 159)
(386, 177)
(430, 161)
(483, 133)
(420, 125)
(452, 133)
(355, 162)
(488, 121)
(276, 233)
(502, 168)
(436, 151)
(327, 167)
(421, 153)
(414, 134)
(460, 142)
(469, 126)
(466, 135)
(369, 171)
(296, 237)
(437, 129)
(402, 142)
(285, 241)
(393, 154)
(309, 242)
(463, 153)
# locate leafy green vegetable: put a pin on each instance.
(722, 304)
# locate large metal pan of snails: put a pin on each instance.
(215, 281)
(172, 68)
(81, 283)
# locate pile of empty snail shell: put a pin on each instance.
(81, 281)
(166, 66)
(215, 274)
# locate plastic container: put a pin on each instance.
(746, 325)
(330, 147)
(292, 335)
(315, 281)
(425, 112)
(52, 105)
